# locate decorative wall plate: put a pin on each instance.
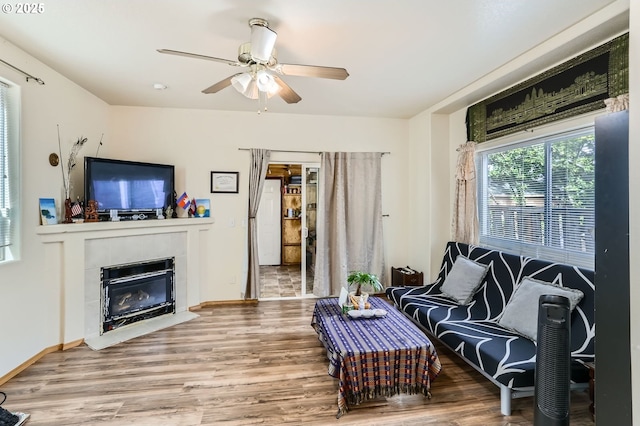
(54, 160)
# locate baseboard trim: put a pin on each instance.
(214, 303)
(4, 379)
(73, 344)
(55, 348)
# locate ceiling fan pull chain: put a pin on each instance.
(263, 97)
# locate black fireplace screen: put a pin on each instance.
(135, 292)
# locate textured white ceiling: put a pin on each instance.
(403, 56)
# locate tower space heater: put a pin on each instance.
(553, 362)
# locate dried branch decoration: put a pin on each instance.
(71, 163)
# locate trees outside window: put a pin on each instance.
(537, 197)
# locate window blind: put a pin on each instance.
(536, 198)
(5, 198)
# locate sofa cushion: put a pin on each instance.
(499, 282)
(502, 354)
(507, 357)
(463, 280)
(399, 294)
(521, 313)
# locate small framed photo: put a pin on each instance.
(203, 207)
(224, 182)
(48, 211)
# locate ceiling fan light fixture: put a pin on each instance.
(245, 84)
(266, 82)
(240, 82)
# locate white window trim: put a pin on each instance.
(576, 124)
(13, 252)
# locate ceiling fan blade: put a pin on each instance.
(220, 85)
(197, 56)
(311, 71)
(286, 92)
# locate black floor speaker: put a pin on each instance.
(553, 362)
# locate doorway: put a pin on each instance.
(287, 224)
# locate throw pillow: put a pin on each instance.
(463, 280)
(521, 312)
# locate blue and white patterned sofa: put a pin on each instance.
(503, 356)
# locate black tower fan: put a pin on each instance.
(553, 362)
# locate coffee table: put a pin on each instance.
(371, 357)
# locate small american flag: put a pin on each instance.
(76, 209)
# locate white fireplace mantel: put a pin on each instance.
(127, 227)
(73, 251)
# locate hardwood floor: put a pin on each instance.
(241, 365)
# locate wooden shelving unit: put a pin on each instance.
(291, 227)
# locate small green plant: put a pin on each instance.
(357, 279)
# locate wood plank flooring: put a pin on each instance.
(242, 365)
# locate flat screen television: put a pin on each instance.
(128, 187)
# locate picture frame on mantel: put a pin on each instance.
(48, 215)
(224, 182)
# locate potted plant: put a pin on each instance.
(363, 283)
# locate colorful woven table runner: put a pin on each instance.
(371, 357)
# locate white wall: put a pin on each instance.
(199, 141)
(419, 204)
(432, 164)
(30, 311)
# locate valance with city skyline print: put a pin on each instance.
(575, 87)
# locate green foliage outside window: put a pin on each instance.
(540, 194)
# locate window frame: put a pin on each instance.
(12, 110)
(546, 252)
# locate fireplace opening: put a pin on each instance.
(136, 292)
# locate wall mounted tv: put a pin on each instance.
(135, 190)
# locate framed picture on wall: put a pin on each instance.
(224, 182)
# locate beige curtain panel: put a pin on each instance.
(464, 227)
(350, 236)
(619, 103)
(257, 174)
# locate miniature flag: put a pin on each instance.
(183, 201)
(192, 208)
(76, 209)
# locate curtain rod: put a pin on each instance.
(296, 152)
(26, 74)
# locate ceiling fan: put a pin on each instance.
(262, 77)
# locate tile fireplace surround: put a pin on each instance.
(74, 254)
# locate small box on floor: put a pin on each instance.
(406, 276)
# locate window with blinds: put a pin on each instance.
(536, 198)
(5, 199)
